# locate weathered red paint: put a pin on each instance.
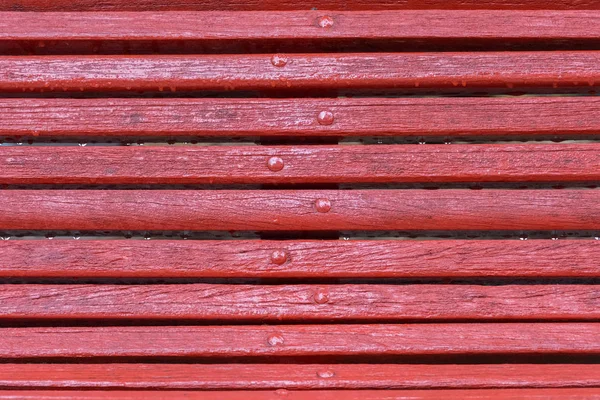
(301, 302)
(302, 340)
(293, 25)
(280, 210)
(474, 70)
(295, 376)
(469, 394)
(456, 117)
(299, 259)
(300, 164)
(247, 5)
(330, 52)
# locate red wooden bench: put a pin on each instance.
(343, 199)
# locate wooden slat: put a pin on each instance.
(456, 117)
(301, 302)
(300, 164)
(294, 376)
(301, 71)
(208, 5)
(299, 259)
(292, 25)
(301, 340)
(316, 210)
(472, 394)
(480, 394)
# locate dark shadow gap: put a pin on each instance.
(526, 358)
(298, 235)
(313, 186)
(149, 281)
(582, 89)
(291, 46)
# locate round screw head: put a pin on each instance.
(321, 297)
(279, 257)
(279, 60)
(325, 21)
(325, 118)
(275, 340)
(322, 205)
(275, 164)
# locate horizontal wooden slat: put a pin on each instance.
(313, 210)
(151, 5)
(470, 394)
(299, 259)
(302, 340)
(389, 24)
(294, 376)
(480, 394)
(456, 117)
(301, 302)
(300, 164)
(301, 71)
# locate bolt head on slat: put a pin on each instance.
(325, 118)
(279, 257)
(325, 21)
(275, 164)
(321, 297)
(279, 60)
(323, 205)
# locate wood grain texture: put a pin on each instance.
(544, 69)
(301, 302)
(472, 394)
(292, 25)
(312, 210)
(299, 259)
(469, 394)
(247, 5)
(456, 117)
(294, 376)
(301, 340)
(300, 164)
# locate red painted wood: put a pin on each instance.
(291, 25)
(208, 5)
(496, 116)
(470, 394)
(301, 302)
(293, 376)
(316, 210)
(300, 164)
(300, 259)
(301, 340)
(480, 394)
(301, 71)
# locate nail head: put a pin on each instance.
(279, 257)
(323, 205)
(275, 164)
(321, 297)
(325, 21)
(325, 118)
(279, 60)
